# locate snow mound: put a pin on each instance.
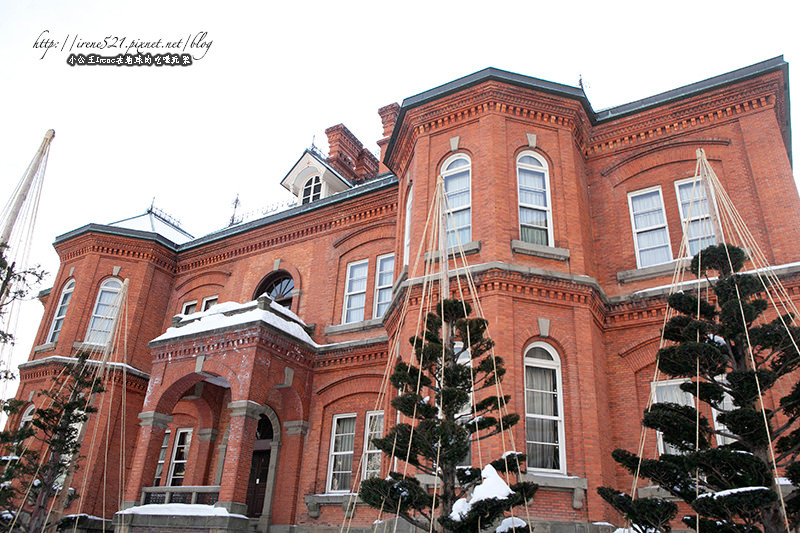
(510, 523)
(180, 509)
(492, 486)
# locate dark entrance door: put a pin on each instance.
(259, 468)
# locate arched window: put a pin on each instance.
(456, 174)
(27, 416)
(61, 311)
(102, 321)
(535, 214)
(279, 286)
(312, 190)
(544, 411)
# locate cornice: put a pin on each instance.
(683, 117)
(489, 97)
(333, 218)
(130, 248)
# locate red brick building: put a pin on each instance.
(571, 219)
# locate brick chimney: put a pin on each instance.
(348, 156)
(388, 117)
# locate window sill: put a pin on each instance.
(472, 247)
(44, 347)
(558, 482)
(347, 500)
(655, 271)
(537, 250)
(364, 325)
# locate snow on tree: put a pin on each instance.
(455, 362)
(723, 470)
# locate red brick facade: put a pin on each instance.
(579, 293)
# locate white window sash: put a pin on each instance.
(186, 447)
(669, 391)
(373, 428)
(407, 230)
(546, 209)
(162, 457)
(459, 220)
(694, 218)
(350, 302)
(61, 311)
(560, 445)
(637, 231)
(383, 291)
(101, 324)
(185, 308)
(209, 302)
(333, 455)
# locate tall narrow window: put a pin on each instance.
(384, 275)
(61, 311)
(544, 421)
(669, 391)
(650, 235)
(535, 216)
(312, 190)
(355, 292)
(456, 173)
(372, 455)
(27, 416)
(695, 217)
(180, 456)
(407, 229)
(105, 308)
(340, 462)
(162, 456)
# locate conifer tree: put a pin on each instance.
(722, 468)
(435, 392)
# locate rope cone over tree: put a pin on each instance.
(434, 394)
(730, 358)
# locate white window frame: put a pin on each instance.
(370, 451)
(383, 290)
(636, 230)
(186, 305)
(308, 194)
(332, 454)
(687, 399)
(445, 173)
(61, 311)
(212, 300)
(95, 335)
(553, 364)
(686, 221)
(348, 294)
(27, 415)
(548, 209)
(185, 461)
(407, 229)
(162, 457)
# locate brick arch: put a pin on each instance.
(286, 266)
(639, 356)
(166, 396)
(209, 278)
(201, 411)
(333, 392)
(682, 152)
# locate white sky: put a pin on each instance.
(275, 76)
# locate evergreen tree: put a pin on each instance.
(732, 486)
(439, 442)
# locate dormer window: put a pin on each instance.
(312, 190)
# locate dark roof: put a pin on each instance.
(487, 74)
(381, 182)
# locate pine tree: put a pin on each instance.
(731, 486)
(439, 442)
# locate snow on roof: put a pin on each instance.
(150, 221)
(228, 314)
(180, 509)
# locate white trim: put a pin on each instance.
(309, 185)
(554, 364)
(384, 287)
(349, 294)
(187, 304)
(162, 458)
(548, 208)
(27, 415)
(66, 293)
(407, 227)
(329, 481)
(683, 395)
(95, 335)
(636, 230)
(468, 208)
(685, 221)
(370, 451)
(185, 461)
(205, 306)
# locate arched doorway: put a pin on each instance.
(260, 468)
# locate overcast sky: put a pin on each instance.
(272, 78)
